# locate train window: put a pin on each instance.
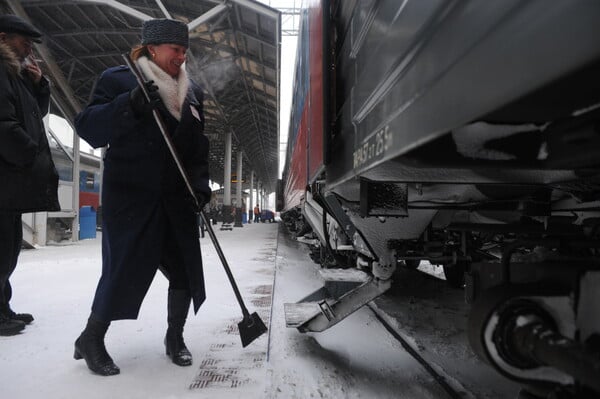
(89, 181)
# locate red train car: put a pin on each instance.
(305, 141)
(463, 134)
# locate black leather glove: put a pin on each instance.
(138, 102)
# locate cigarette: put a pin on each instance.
(32, 57)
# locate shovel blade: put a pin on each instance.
(251, 328)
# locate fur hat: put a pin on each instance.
(159, 31)
(13, 24)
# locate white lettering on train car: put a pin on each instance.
(374, 147)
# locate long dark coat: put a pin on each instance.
(28, 178)
(143, 196)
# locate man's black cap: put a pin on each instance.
(13, 24)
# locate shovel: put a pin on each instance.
(251, 327)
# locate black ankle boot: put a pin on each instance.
(178, 306)
(10, 314)
(90, 346)
(10, 327)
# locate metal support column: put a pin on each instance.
(258, 194)
(251, 199)
(238, 193)
(227, 181)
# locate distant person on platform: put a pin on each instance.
(28, 178)
(256, 214)
(149, 221)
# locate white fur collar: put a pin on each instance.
(172, 91)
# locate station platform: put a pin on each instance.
(356, 358)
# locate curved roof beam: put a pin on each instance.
(207, 16)
(121, 7)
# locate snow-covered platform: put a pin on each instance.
(56, 284)
(356, 358)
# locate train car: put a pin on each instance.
(466, 134)
(89, 175)
(89, 187)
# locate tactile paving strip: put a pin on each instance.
(227, 365)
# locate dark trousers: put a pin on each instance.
(11, 237)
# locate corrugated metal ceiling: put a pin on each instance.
(234, 54)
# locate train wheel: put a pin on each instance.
(455, 274)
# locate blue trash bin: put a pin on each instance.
(244, 217)
(87, 222)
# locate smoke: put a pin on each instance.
(216, 74)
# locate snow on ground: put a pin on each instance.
(433, 318)
(354, 359)
(56, 284)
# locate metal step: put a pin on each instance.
(308, 241)
(345, 275)
(319, 315)
(337, 282)
(344, 248)
(296, 314)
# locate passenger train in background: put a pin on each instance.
(59, 225)
(89, 175)
(465, 134)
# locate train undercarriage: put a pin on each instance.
(529, 268)
(526, 254)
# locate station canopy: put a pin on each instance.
(234, 55)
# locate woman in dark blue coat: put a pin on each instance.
(148, 222)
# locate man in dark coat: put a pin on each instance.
(28, 178)
(149, 221)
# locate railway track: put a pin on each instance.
(429, 320)
(453, 391)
